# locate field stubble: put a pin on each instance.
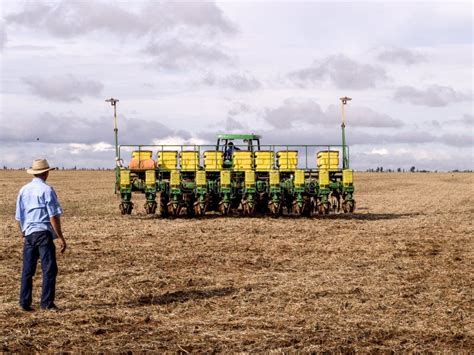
(397, 275)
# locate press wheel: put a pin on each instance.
(224, 208)
(323, 209)
(274, 208)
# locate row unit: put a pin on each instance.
(242, 160)
(249, 178)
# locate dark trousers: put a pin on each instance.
(39, 244)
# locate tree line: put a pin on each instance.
(413, 169)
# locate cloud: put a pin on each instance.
(66, 19)
(239, 108)
(341, 71)
(31, 48)
(3, 35)
(20, 155)
(243, 82)
(70, 128)
(308, 111)
(175, 54)
(178, 141)
(380, 151)
(79, 148)
(457, 140)
(293, 111)
(233, 124)
(356, 138)
(360, 116)
(411, 137)
(434, 95)
(400, 56)
(237, 117)
(197, 14)
(163, 25)
(467, 119)
(64, 88)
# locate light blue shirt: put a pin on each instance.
(36, 204)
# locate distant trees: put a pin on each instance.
(413, 169)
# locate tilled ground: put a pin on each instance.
(397, 275)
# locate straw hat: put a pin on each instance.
(39, 166)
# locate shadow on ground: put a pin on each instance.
(341, 216)
(183, 296)
(371, 216)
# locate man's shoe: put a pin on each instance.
(52, 308)
(26, 308)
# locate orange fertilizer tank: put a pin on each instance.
(142, 160)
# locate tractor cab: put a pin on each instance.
(228, 143)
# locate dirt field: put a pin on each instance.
(397, 275)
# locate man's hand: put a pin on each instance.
(21, 231)
(56, 223)
(62, 244)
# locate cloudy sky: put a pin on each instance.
(184, 71)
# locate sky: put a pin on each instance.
(185, 71)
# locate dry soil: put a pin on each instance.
(397, 275)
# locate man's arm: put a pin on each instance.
(21, 230)
(56, 223)
(19, 213)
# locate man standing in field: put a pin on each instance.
(38, 212)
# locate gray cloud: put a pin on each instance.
(65, 88)
(239, 108)
(67, 19)
(205, 15)
(240, 82)
(233, 124)
(309, 111)
(401, 56)
(3, 35)
(175, 54)
(356, 137)
(457, 140)
(30, 48)
(69, 128)
(162, 24)
(236, 121)
(433, 124)
(292, 111)
(467, 119)
(410, 137)
(360, 116)
(434, 96)
(341, 71)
